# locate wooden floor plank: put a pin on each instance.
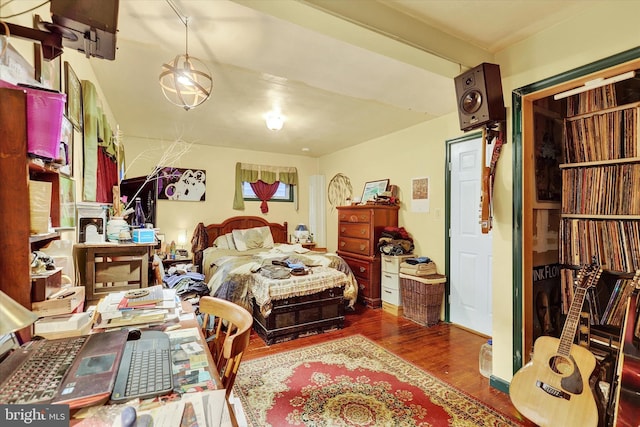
(447, 352)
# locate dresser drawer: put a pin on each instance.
(390, 280)
(360, 269)
(357, 230)
(354, 215)
(355, 246)
(391, 264)
(390, 295)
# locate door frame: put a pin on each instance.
(447, 216)
(521, 120)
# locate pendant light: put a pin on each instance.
(185, 80)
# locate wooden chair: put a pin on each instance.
(227, 328)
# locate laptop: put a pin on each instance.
(77, 371)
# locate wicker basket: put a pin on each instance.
(422, 297)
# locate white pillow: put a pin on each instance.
(252, 238)
(230, 242)
(221, 242)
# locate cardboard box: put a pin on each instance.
(144, 235)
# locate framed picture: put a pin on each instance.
(547, 159)
(73, 89)
(66, 139)
(182, 184)
(373, 188)
(67, 202)
(47, 72)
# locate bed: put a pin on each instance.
(238, 264)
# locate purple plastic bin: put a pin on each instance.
(44, 120)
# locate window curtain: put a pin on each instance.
(264, 192)
(269, 175)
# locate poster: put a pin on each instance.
(181, 184)
(420, 194)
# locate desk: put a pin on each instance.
(113, 267)
(187, 324)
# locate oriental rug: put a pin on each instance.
(352, 382)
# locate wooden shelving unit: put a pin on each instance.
(600, 217)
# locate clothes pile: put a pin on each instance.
(395, 241)
(418, 266)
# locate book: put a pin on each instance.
(143, 296)
(61, 323)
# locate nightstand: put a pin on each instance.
(308, 245)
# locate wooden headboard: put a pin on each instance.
(278, 231)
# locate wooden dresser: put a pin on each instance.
(359, 229)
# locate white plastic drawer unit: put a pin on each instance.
(391, 264)
(391, 295)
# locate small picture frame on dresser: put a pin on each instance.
(373, 188)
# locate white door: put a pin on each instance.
(470, 257)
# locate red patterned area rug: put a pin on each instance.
(352, 382)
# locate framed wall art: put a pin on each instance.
(67, 202)
(73, 89)
(547, 159)
(373, 188)
(181, 184)
(66, 139)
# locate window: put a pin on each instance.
(283, 194)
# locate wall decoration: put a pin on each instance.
(372, 189)
(420, 194)
(67, 202)
(340, 191)
(66, 139)
(73, 89)
(547, 159)
(47, 72)
(181, 184)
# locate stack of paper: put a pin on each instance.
(161, 305)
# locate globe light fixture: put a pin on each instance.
(186, 80)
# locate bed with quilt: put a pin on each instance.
(291, 291)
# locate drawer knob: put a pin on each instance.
(343, 229)
(386, 291)
(353, 218)
(363, 247)
(362, 269)
(342, 244)
(363, 231)
(387, 276)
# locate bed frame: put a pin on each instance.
(293, 317)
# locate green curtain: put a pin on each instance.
(246, 172)
(90, 145)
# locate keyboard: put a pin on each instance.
(40, 376)
(145, 370)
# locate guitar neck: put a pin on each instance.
(571, 324)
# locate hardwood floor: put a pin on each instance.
(445, 351)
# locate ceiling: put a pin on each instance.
(341, 72)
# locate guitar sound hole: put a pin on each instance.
(561, 365)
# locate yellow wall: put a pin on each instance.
(414, 152)
(142, 155)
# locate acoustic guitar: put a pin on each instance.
(553, 388)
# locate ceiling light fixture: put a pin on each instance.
(274, 120)
(186, 80)
(592, 84)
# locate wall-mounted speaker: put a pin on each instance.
(479, 93)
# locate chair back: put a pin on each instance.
(227, 329)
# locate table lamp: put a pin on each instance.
(301, 232)
(13, 316)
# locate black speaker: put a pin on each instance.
(479, 93)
